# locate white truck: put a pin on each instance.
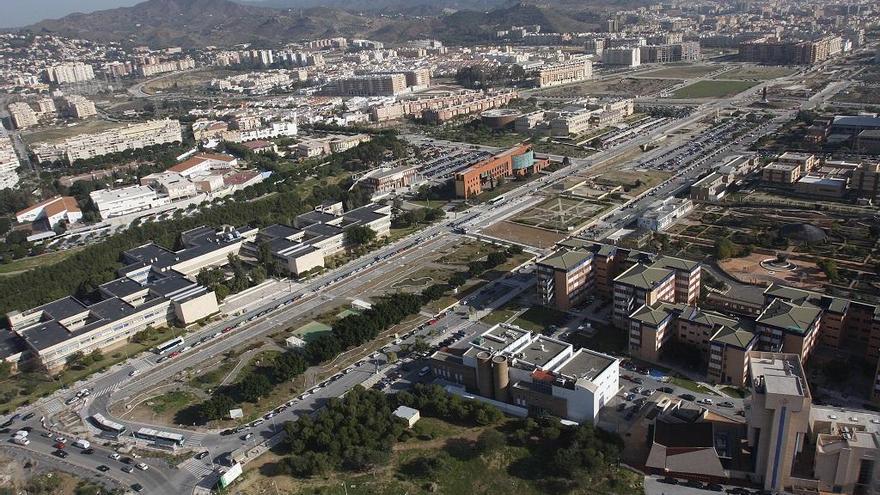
(82, 444)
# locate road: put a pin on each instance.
(116, 385)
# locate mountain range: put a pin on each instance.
(199, 23)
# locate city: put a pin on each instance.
(392, 247)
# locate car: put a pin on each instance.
(59, 445)
(103, 468)
(60, 453)
(668, 480)
(142, 466)
(88, 451)
(647, 392)
(202, 455)
(707, 401)
(133, 372)
(27, 416)
(726, 404)
(689, 397)
(137, 487)
(127, 469)
(257, 422)
(715, 487)
(693, 484)
(638, 380)
(114, 456)
(666, 390)
(269, 415)
(127, 460)
(247, 436)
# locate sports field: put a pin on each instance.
(311, 330)
(712, 89)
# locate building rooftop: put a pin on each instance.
(585, 364)
(789, 317)
(566, 260)
(676, 263)
(652, 316)
(684, 435)
(540, 351)
(500, 337)
(643, 276)
(734, 336)
(778, 374)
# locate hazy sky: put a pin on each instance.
(15, 13)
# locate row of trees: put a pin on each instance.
(347, 333)
(418, 216)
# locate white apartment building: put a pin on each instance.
(71, 72)
(79, 107)
(128, 137)
(22, 115)
(625, 56)
(8, 161)
(125, 200)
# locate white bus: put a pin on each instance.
(167, 346)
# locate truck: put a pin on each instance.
(81, 443)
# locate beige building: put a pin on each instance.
(781, 173)
(128, 137)
(70, 73)
(22, 115)
(847, 457)
(79, 107)
(576, 69)
(777, 414)
(371, 85)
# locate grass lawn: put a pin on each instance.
(691, 385)
(757, 72)
(32, 262)
(538, 318)
(681, 72)
(169, 401)
(736, 393)
(712, 89)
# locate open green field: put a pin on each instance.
(682, 72)
(59, 133)
(712, 89)
(756, 72)
(31, 262)
(312, 330)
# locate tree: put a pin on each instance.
(258, 275)
(724, 249)
(829, 267)
(359, 235)
(490, 440)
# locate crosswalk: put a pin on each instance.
(195, 467)
(52, 407)
(195, 438)
(107, 389)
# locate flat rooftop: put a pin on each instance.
(585, 364)
(781, 374)
(500, 337)
(541, 351)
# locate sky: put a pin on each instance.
(16, 13)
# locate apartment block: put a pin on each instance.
(8, 161)
(72, 72)
(564, 278)
(627, 56)
(865, 180)
(371, 85)
(78, 107)
(665, 53)
(22, 115)
(533, 373)
(486, 101)
(576, 69)
(128, 137)
(786, 52)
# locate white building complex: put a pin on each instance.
(125, 200)
(663, 213)
(628, 56)
(155, 288)
(71, 72)
(128, 137)
(8, 161)
(53, 211)
(534, 373)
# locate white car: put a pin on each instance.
(133, 372)
(706, 401)
(114, 456)
(142, 466)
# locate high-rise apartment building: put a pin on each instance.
(8, 161)
(79, 107)
(22, 115)
(128, 137)
(71, 72)
(371, 85)
(577, 69)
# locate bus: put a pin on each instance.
(167, 346)
(160, 437)
(496, 200)
(105, 424)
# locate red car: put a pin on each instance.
(227, 329)
(174, 354)
(59, 445)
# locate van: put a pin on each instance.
(81, 443)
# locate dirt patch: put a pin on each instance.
(523, 234)
(749, 270)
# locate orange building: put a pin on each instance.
(517, 161)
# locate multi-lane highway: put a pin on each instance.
(120, 385)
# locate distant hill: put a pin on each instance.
(198, 23)
(412, 7)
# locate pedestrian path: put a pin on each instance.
(195, 467)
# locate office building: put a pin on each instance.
(384, 180)
(664, 213)
(519, 160)
(8, 161)
(52, 212)
(777, 415)
(852, 125)
(533, 373)
(156, 288)
(22, 115)
(72, 72)
(116, 202)
(128, 137)
(576, 69)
